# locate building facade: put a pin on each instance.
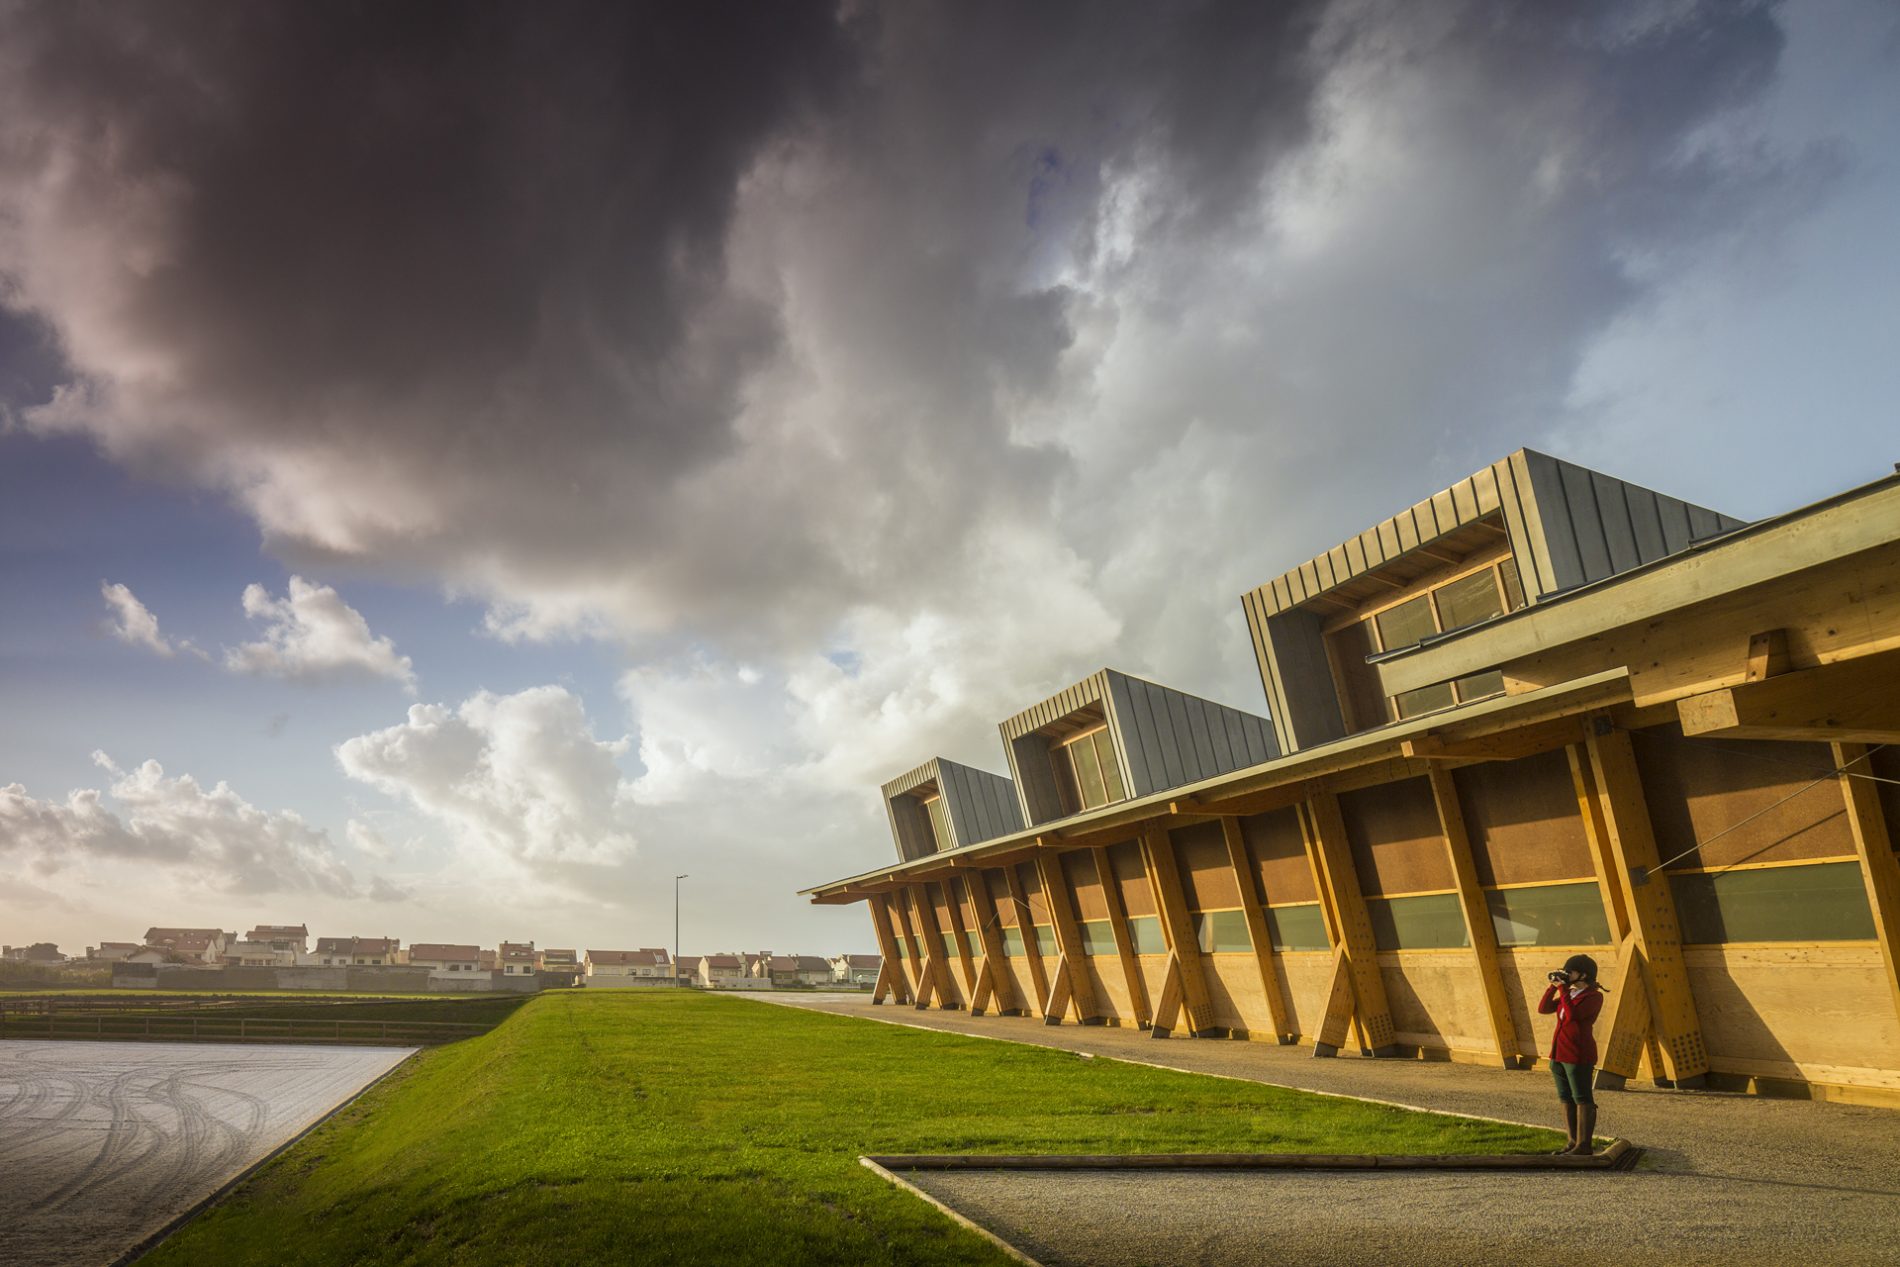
(1542, 712)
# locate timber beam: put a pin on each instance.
(1026, 926)
(891, 975)
(1879, 865)
(1124, 940)
(1002, 987)
(936, 971)
(1850, 701)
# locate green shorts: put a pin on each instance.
(1573, 1082)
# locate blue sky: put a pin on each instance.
(701, 502)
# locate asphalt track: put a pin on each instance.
(102, 1144)
(1726, 1180)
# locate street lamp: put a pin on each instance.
(676, 927)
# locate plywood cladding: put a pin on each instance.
(1523, 821)
(1396, 842)
(1752, 801)
(1162, 738)
(1278, 848)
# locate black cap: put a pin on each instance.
(1584, 964)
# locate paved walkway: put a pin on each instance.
(1727, 1180)
(104, 1143)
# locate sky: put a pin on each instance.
(463, 466)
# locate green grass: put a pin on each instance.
(686, 1128)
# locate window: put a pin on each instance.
(1825, 901)
(1145, 932)
(939, 811)
(1087, 768)
(1012, 941)
(1417, 921)
(1219, 931)
(1045, 940)
(1549, 915)
(1098, 938)
(1462, 601)
(1297, 926)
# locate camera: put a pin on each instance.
(1557, 978)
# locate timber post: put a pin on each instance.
(1652, 906)
(1339, 881)
(1026, 925)
(1478, 927)
(935, 968)
(1055, 891)
(988, 931)
(1258, 930)
(1164, 877)
(1879, 865)
(891, 976)
(1124, 940)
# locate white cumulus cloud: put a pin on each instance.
(211, 835)
(311, 634)
(520, 775)
(133, 624)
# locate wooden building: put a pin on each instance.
(1544, 711)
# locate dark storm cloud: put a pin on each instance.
(722, 320)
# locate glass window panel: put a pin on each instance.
(1088, 773)
(1825, 901)
(1407, 624)
(1012, 941)
(1549, 915)
(1218, 931)
(1300, 927)
(1479, 685)
(1045, 940)
(1111, 769)
(1468, 600)
(940, 822)
(1426, 699)
(949, 944)
(1513, 586)
(1145, 932)
(1422, 921)
(975, 943)
(1098, 938)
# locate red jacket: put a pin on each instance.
(1573, 1044)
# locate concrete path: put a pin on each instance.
(102, 1144)
(1727, 1180)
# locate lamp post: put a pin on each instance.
(676, 927)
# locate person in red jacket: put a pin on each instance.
(1576, 998)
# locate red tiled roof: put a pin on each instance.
(864, 961)
(652, 958)
(357, 945)
(443, 953)
(812, 963)
(264, 932)
(724, 961)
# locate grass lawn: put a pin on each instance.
(687, 1128)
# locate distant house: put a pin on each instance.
(40, 952)
(518, 958)
(718, 970)
(686, 968)
(856, 969)
(111, 951)
(647, 964)
(259, 954)
(294, 938)
(445, 960)
(149, 954)
(811, 970)
(562, 963)
(356, 952)
(191, 945)
(778, 969)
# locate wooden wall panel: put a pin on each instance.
(1233, 987)
(1154, 975)
(1278, 849)
(1207, 878)
(1078, 868)
(1124, 860)
(1396, 844)
(999, 895)
(1436, 1000)
(1032, 894)
(1308, 975)
(1776, 1012)
(1523, 821)
(1111, 988)
(1018, 969)
(1697, 788)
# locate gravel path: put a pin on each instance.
(1727, 1180)
(103, 1144)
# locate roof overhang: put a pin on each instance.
(1510, 725)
